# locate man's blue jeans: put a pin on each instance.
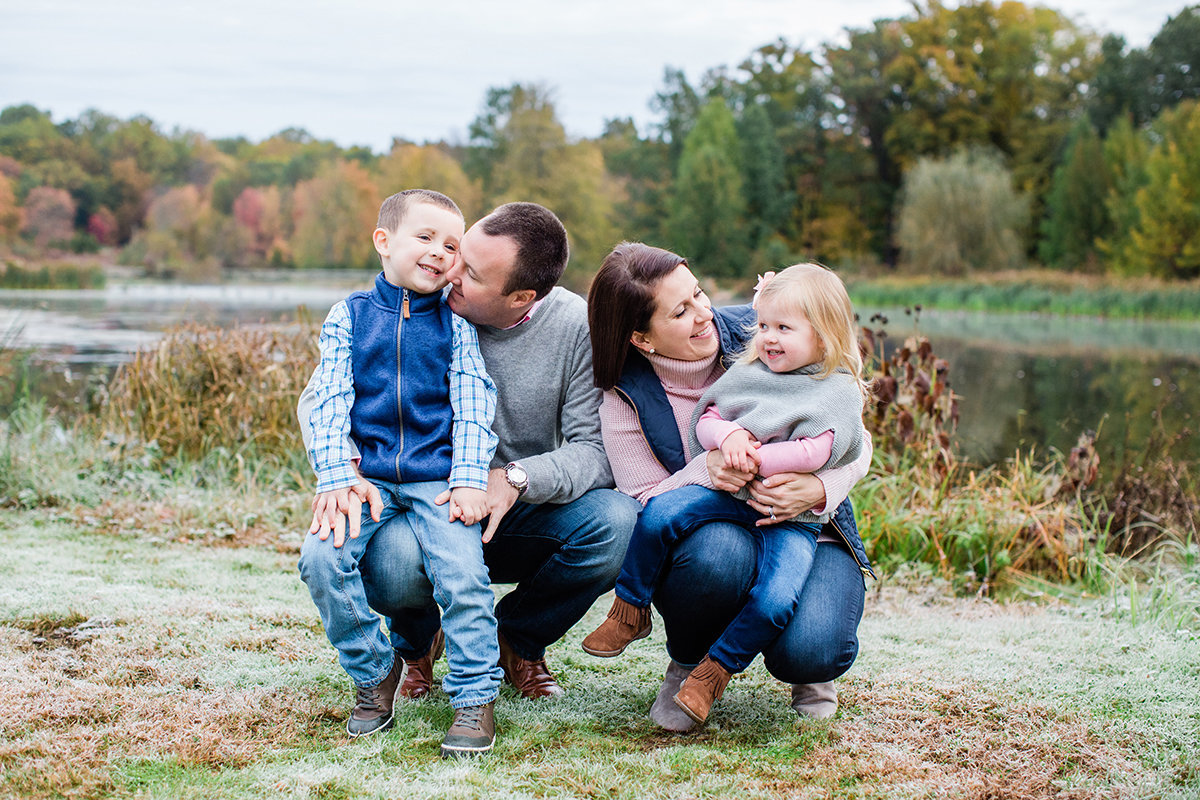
(708, 578)
(562, 557)
(785, 555)
(449, 552)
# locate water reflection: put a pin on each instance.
(1025, 380)
(1029, 380)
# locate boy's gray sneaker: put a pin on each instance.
(373, 707)
(472, 733)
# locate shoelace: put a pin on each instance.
(470, 717)
(369, 698)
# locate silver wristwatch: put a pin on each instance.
(517, 477)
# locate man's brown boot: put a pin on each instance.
(531, 677)
(702, 688)
(626, 623)
(420, 670)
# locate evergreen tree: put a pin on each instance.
(708, 207)
(763, 177)
(1075, 212)
(1125, 153)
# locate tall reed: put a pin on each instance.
(203, 389)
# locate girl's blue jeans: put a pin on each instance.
(452, 556)
(785, 555)
(708, 578)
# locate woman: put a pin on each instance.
(656, 346)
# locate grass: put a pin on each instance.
(155, 639)
(141, 668)
(1042, 291)
(52, 276)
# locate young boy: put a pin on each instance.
(403, 376)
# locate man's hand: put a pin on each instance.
(501, 495)
(467, 504)
(786, 494)
(740, 449)
(342, 508)
(725, 478)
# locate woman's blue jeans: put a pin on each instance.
(707, 580)
(785, 555)
(450, 553)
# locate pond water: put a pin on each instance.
(1024, 380)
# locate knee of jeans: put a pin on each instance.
(611, 533)
(793, 659)
(777, 604)
(317, 558)
(616, 517)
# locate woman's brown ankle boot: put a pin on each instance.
(702, 688)
(626, 623)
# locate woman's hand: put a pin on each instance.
(727, 479)
(784, 495)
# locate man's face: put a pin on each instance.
(478, 278)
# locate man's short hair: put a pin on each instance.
(392, 211)
(542, 249)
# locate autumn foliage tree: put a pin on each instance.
(333, 215)
(11, 215)
(49, 216)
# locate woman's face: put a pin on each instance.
(681, 326)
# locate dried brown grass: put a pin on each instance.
(918, 736)
(70, 716)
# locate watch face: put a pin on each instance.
(517, 474)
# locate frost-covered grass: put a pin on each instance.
(139, 668)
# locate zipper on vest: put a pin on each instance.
(399, 383)
(863, 568)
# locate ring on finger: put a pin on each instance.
(771, 511)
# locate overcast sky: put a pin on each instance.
(363, 71)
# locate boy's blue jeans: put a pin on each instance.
(785, 557)
(452, 556)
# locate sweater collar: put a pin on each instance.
(676, 373)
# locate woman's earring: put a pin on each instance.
(651, 350)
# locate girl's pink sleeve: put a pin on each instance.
(712, 428)
(795, 455)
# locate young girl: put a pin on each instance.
(792, 403)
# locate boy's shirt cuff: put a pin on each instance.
(336, 476)
(468, 476)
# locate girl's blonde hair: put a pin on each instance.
(819, 294)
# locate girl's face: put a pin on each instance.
(785, 340)
(681, 326)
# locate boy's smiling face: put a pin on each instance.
(422, 249)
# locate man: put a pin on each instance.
(554, 528)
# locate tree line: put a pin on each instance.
(949, 140)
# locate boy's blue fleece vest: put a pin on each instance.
(641, 388)
(401, 419)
